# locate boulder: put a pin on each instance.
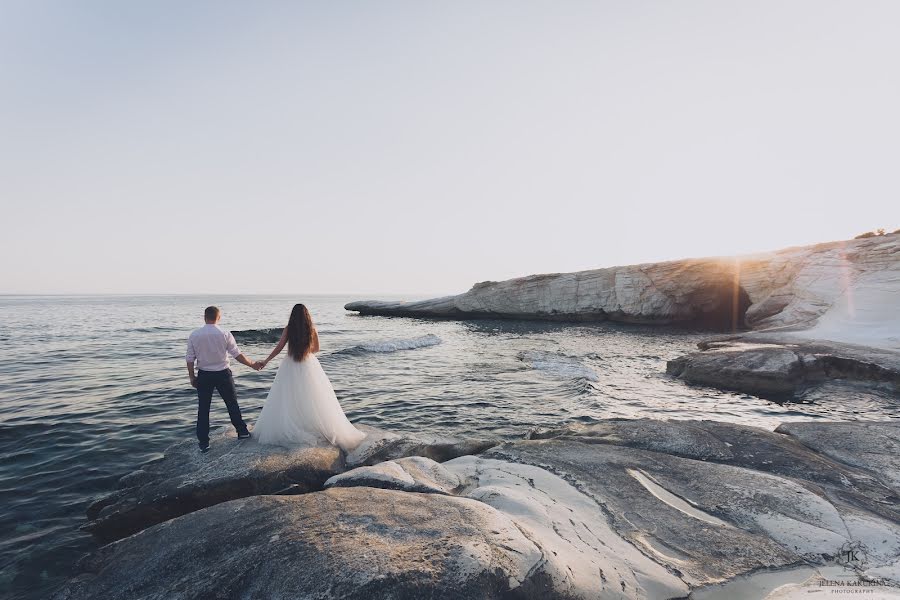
(764, 370)
(351, 543)
(781, 367)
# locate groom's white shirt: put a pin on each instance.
(211, 346)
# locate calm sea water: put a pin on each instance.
(90, 387)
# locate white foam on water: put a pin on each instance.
(558, 365)
(401, 344)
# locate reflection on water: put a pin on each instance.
(93, 386)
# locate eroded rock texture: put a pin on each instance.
(618, 509)
(848, 289)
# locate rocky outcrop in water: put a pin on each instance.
(618, 509)
(848, 288)
(781, 366)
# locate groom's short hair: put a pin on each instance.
(211, 313)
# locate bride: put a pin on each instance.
(301, 407)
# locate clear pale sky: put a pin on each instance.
(378, 147)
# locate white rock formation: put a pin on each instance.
(848, 289)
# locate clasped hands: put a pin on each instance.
(258, 365)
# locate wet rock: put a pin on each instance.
(764, 370)
(361, 543)
(186, 480)
(781, 367)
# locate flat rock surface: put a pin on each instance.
(185, 480)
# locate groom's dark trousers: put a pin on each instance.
(223, 382)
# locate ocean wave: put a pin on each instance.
(273, 334)
(559, 365)
(394, 345)
(258, 335)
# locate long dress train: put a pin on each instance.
(301, 409)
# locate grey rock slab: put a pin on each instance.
(747, 447)
(709, 516)
(873, 446)
(681, 438)
(619, 509)
(352, 543)
(700, 551)
(762, 370)
(185, 480)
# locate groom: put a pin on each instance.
(210, 346)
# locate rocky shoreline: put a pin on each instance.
(618, 509)
(787, 288)
(637, 508)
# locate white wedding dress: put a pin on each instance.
(301, 409)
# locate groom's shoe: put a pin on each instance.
(244, 436)
(204, 448)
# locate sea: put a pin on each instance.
(93, 386)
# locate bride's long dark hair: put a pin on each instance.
(299, 332)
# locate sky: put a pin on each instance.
(419, 147)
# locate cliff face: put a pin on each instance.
(857, 279)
